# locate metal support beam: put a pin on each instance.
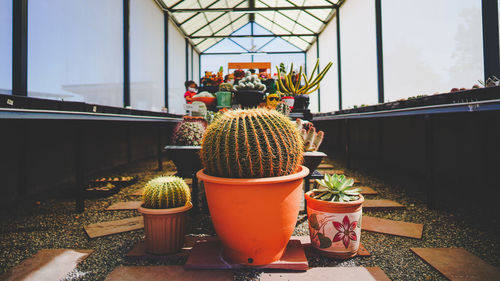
(199, 67)
(491, 49)
(126, 53)
(380, 50)
(165, 26)
(252, 10)
(187, 59)
(20, 47)
(255, 35)
(339, 56)
(192, 68)
(264, 53)
(319, 89)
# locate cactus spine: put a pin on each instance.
(166, 192)
(189, 132)
(253, 143)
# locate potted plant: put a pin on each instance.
(207, 98)
(186, 142)
(224, 95)
(312, 141)
(253, 182)
(250, 91)
(334, 212)
(291, 88)
(165, 202)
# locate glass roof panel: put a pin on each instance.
(280, 45)
(225, 46)
(188, 4)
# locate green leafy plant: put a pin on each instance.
(252, 143)
(336, 188)
(166, 192)
(189, 133)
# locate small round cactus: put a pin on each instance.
(166, 192)
(253, 143)
(188, 133)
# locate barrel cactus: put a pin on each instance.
(252, 143)
(166, 192)
(188, 133)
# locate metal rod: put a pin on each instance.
(319, 89)
(491, 49)
(166, 26)
(255, 35)
(192, 69)
(20, 47)
(187, 59)
(380, 50)
(252, 10)
(339, 58)
(264, 53)
(126, 53)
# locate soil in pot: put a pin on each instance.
(334, 227)
(254, 218)
(301, 103)
(249, 98)
(164, 229)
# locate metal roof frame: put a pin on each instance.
(229, 8)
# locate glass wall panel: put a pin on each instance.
(359, 52)
(147, 50)
(311, 57)
(176, 70)
(431, 46)
(328, 53)
(5, 46)
(75, 50)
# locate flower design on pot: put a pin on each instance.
(345, 232)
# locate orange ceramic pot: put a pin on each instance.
(210, 102)
(164, 229)
(254, 218)
(335, 227)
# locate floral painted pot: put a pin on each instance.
(335, 227)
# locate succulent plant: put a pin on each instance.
(225, 87)
(283, 108)
(250, 82)
(252, 143)
(166, 192)
(336, 188)
(290, 88)
(312, 139)
(189, 133)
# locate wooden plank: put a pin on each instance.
(457, 264)
(366, 190)
(331, 274)
(206, 255)
(129, 205)
(382, 204)
(166, 272)
(114, 227)
(325, 166)
(399, 228)
(47, 264)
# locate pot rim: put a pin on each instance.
(314, 153)
(336, 204)
(302, 173)
(149, 211)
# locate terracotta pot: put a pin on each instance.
(254, 218)
(334, 227)
(164, 229)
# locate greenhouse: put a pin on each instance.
(249, 140)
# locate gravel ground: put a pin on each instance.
(53, 224)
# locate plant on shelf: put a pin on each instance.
(291, 84)
(283, 108)
(335, 202)
(250, 90)
(186, 141)
(165, 202)
(252, 158)
(312, 141)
